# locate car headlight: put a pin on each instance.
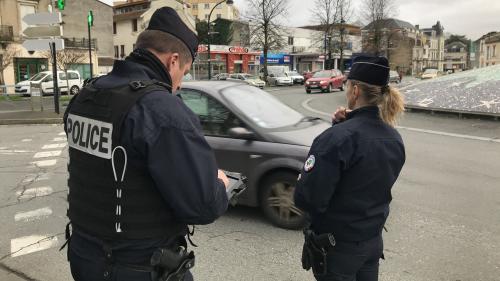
(307, 82)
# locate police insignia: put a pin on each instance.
(309, 165)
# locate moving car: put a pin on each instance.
(394, 77)
(253, 133)
(248, 78)
(279, 79)
(325, 81)
(296, 77)
(43, 83)
(430, 73)
(221, 76)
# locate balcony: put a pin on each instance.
(79, 43)
(6, 33)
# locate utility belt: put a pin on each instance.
(315, 250)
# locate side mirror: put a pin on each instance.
(241, 133)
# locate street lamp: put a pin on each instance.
(228, 2)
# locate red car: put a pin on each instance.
(325, 81)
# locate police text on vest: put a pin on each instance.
(89, 135)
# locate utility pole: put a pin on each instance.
(55, 79)
(90, 23)
(342, 30)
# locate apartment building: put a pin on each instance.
(200, 9)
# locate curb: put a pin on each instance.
(31, 121)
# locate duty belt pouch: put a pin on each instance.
(314, 253)
(172, 265)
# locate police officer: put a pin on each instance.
(140, 169)
(345, 185)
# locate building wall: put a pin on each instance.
(493, 55)
(201, 8)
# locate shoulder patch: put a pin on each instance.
(309, 165)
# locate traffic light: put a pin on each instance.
(61, 4)
(90, 18)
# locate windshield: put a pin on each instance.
(38, 76)
(322, 74)
(262, 108)
(430, 71)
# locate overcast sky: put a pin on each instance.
(473, 18)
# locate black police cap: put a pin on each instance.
(167, 20)
(370, 69)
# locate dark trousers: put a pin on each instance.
(354, 261)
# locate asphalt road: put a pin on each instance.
(444, 223)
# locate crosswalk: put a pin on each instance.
(45, 158)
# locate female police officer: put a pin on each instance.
(345, 185)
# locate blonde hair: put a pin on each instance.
(387, 98)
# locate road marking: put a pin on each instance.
(54, 145)
(62, 134)
(30, 244)
(33, 215)
(34, 192)
(45, 163)
(13, 152)
(26, 140)
(36, 177)
(45, 154)
(305, 105)
(59, 139)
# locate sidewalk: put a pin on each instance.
(31, 117)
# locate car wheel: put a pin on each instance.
(342, 86)
(308, 91)
(74, 90)
(276, 200)
(329, 89)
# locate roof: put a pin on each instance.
(390, 24)
(121, 4)
(128, 16)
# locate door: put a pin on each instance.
(62, 82)
(25, 68)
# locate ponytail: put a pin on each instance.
(388, 99)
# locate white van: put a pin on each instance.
(42, 83)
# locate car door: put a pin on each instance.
(62, 82)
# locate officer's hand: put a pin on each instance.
(340, 114)
(222, 176)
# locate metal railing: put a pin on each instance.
(80, 43)
(6, 33)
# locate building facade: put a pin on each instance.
(200, 9)
(436, 38)
(456, 56)
(491, 49)
(130, 18)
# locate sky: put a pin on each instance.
(472, 18)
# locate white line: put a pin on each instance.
(45, 163)
(62, 134)
(30, 244)
(45, 154)
(54, 145)
(34, 192)
(13, 152)
(59, 139)
(26, 140)
(35, 178)
(305, 105)
(33, 215)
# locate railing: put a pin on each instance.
(6, 33)
(80, 43)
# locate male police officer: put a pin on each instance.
(140, 169)
(345, 186)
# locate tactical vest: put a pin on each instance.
(109, 195)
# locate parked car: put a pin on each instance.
(255, 134)
(394, 77)
(220, 76)
(43, 83)
(325, 81)
(296, 77)
(430, 73)
(248, 78)
(279, 79)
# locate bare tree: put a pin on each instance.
(376, 12)
(265, 33)
(6, 59)
(67, 58)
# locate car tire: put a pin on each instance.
(342, 87)
(308, 91)
(329, 89)
(276, 200)
(74, 90)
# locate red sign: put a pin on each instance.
(202, 48)
(238, 49)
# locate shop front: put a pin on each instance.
(308, 62)
(224, 59)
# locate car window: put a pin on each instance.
(215, 118)
(38, 76)
(73, 76)
(62, 76)
(322, 74)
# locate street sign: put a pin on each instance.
(43, 31)
(42, 44)
(43, 18)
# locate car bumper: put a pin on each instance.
(298, 81)
(322, 87)
(284, 83)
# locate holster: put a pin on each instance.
(172, 265)
(315, 250)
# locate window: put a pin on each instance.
(494, 52)
(206, 17)
(134, 25)
(62, 76)
(488, 52)
(219, 16)
(25, 10)
(117, 52)
(207, 6)
(73, 76)
(114, 27)
(290, 40)
(215, 118)
(122, 47)
(195, 6)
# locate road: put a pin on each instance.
(444, 222)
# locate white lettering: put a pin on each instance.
(90, 136)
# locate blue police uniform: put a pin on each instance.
(345, 187)
(164, 135)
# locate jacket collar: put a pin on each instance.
(365, 111)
